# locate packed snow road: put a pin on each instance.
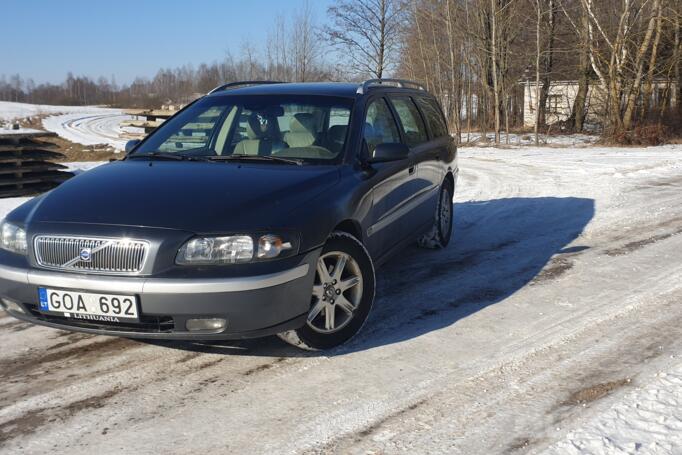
(90, 128)
(557, 301)
(86, 125)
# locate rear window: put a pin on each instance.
(434, 116)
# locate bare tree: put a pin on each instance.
(677, 57)
(278, 46)
(538, 54)
(636, 85)
(618, 54)
(548, 56)
(582, 31)
(306, 49)
(367, 34)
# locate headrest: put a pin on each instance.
(337, 133)
(302, 123)
(253, 130)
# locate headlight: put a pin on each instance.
(233, 249)
(12, 238)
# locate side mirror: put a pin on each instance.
(392, 151)
(130, 145)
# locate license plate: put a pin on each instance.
(89, 306)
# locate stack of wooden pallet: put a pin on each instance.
(147, 119)
(27, 164)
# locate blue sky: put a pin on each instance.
(44, 39)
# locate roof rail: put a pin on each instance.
(402, 83)
(241, 83)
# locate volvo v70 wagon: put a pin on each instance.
(262, 208)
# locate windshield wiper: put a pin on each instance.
(167, 156)
(269, 158)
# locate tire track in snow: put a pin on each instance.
(90, 128)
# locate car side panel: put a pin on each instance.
(369, 196)
(392, 192)
(390, 186)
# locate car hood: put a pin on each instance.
(197, 197)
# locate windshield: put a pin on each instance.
(308, 129)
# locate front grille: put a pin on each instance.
(98, 255)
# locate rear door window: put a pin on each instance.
(411, 120)
(380, 126)
(434, 116)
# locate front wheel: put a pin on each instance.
(342, 295)
(441, 230)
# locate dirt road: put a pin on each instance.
(560, 293)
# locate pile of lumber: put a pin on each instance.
(147, 119)
(27, 164)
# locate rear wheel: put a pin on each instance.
(439, 234)
(342, 295)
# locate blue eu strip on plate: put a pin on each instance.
(42, 295)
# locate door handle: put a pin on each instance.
(411, 169)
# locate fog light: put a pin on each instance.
(11, 305)
(205, 325)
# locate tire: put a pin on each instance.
(337, 313)
(441, 231)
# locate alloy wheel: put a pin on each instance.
(337, 292)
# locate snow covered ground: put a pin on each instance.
(552, 323)
(87, 125)
(648, 420)
(15, 111)
(90, 128)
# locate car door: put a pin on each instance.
(423, 198)
(435, 153)
(390, 189)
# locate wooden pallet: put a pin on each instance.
(150, 113)
(146, 124)
(26, 165)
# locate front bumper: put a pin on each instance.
(253, 306)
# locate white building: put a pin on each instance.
(562, 95)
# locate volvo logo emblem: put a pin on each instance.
(85, 255)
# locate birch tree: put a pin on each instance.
(366, 33)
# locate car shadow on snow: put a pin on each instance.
(498, 247)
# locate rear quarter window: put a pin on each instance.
(434, 116)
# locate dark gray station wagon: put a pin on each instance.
(261, 208)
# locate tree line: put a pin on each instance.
(480, 54)
(482, 58)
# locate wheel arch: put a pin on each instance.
(352, 227)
